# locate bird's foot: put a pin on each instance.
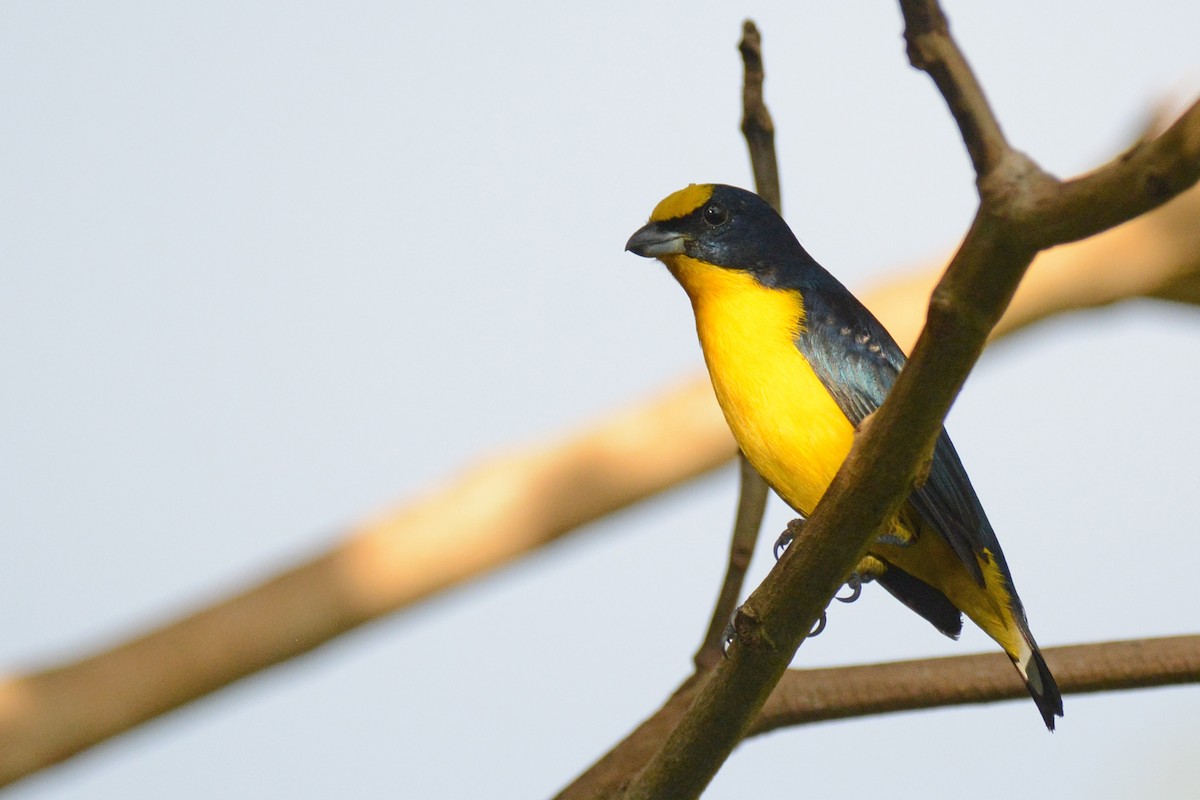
(787, 537)
(731, 631)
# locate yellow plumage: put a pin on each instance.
(786, 423)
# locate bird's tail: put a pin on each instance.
(1038, 680)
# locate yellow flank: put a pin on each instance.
(929, 558)
(682, 203)
(789, 427)
(796, 436)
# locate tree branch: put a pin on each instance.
(808, 696)
(933, 50)
(1137, 181)
(815, 695)
(752, 488)
(887, 456)
(1156, 256)
(757, 126)
(490, 515)
(752, 503)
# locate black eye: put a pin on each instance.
(715, 214)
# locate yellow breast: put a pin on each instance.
(789, 427)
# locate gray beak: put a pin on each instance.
(653, 240)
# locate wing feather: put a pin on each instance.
(857, 361)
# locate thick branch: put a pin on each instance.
(489, 516)
(888, 455)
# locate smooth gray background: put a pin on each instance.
(266, 268)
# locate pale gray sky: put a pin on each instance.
(267, 267)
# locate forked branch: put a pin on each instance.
(1021, 211)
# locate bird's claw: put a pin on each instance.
(787, 537)
(855, 583)
(781, 544)
(729, 635)
(731, 631)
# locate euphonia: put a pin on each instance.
(797, 363)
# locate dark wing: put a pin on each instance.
(858, 361)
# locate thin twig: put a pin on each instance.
(752, 503)
(752, 488)
(815, 695)
(757, 126)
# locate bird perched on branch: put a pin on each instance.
(798, 363)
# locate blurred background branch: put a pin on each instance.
(508, 506)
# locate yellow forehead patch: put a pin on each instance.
(682, 203)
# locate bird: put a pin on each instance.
(797, 363)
